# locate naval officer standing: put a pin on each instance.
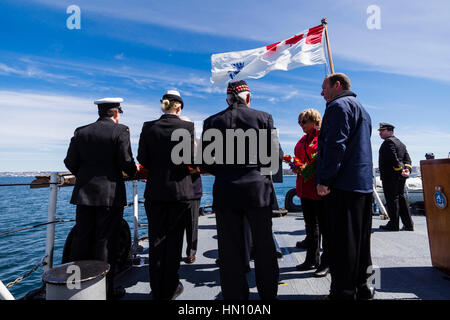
(97, 155)
(395, 167)
(168, 194)
(240, 191)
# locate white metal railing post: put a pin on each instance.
(4, 293)
(377, 197)
(135, 212)
(51, 218)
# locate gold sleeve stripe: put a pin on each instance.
(408, 165)
(397, 169)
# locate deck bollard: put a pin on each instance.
(78, 280)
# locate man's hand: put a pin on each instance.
(141, 171)
(405, 173)
(322, 190)
(194, 170)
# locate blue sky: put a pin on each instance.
(50, 75)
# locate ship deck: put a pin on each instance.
(403, 258)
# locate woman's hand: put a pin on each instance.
(297, 170)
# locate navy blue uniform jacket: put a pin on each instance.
(167, 182)
(344, 159)
(240, 185)
(393, 158)
(97, 155)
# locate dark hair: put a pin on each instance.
(107, 112)
(341, 77)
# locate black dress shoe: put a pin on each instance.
(407, 229)
(365, 293)
(306, 266)
(118, 293)
(179, 290)
(302, 244)
(389, 227)
(321, 271)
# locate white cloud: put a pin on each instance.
(410, 42)
(39, 126)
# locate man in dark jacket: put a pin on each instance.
(395, 167)
(344, 178)
(97, 155)
(168, 195)
(241, 190)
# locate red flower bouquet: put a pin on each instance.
(307, 170)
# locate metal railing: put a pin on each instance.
(57, 180)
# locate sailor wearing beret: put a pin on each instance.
(168, 195)
(97, 155)
(395, 166)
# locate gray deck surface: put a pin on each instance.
(403, 258)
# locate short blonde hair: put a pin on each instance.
(169, 105)
(311, 115)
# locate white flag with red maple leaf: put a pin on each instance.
(303, 49)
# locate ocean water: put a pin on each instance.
(21, 207)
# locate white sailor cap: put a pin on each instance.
(107, 103)
(108, 100)
(173, 95)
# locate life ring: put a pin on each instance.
(289, 201)
(124, 247)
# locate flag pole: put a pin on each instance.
(324, 23)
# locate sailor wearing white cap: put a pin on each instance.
(167, 196)
(173, 95)
(395, 166)
(97, 155)
(109, 103)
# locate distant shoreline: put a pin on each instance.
(33, 174)
(24, 174)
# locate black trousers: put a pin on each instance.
(232, 252)
(166, 224)
(397, 204)
(192, 228)
(96, 237)
(316, 228)
(350, 222)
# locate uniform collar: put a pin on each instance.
(168, 115)
(239, 105)
(105, 119)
